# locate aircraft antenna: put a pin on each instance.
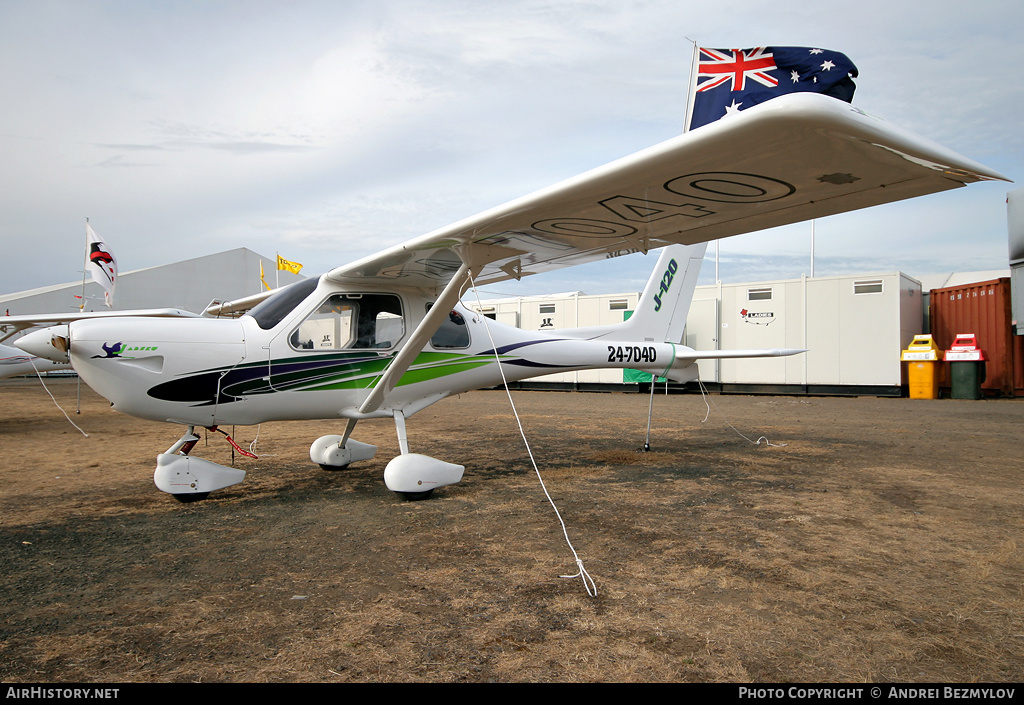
(588, 582)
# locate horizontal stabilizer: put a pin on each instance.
(685, 370)
(729, 354)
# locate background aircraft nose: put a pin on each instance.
(47, 343)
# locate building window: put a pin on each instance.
(870, 286)
(547, 308)
(763, 294)
(618, 305)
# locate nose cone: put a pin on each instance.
(47, 343)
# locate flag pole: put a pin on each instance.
(812, 248)
(85, 265)
(81, 307)
(691, 87)
(690, 91)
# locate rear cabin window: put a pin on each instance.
(352, 322)
(453, 333)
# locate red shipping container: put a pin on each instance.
(982, 308)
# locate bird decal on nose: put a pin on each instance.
(111, 350)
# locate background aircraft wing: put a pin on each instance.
(237, 307)
(9, 325)
(790, 159)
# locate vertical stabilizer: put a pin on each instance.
(660, 314)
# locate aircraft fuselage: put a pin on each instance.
(321, 359)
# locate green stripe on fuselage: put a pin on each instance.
(364, 373)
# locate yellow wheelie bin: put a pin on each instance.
(923, 371)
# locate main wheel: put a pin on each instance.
(415, 496)
(191, 497)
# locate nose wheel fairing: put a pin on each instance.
(187, 478)
(184, 475)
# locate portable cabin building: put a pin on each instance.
(853, 328)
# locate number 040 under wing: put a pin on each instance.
(790, 159)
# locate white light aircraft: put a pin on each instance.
(385, 336)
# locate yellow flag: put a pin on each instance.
(284, 264)
(261, 276)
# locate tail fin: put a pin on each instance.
(660, 315)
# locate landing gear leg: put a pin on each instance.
(650, 413)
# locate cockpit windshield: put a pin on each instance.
(270, 311)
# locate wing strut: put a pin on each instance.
(427, 327)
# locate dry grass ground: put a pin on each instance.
(882, 542)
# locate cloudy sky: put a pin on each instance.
(328, 130)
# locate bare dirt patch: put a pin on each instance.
(880, 543)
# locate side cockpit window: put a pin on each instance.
(453, 333)
(352, 322)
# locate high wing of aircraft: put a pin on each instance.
(385, 336)
(804, 156)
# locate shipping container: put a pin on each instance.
(982, 309)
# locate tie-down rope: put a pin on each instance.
(588, 582)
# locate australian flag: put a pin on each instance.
(727, 81)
